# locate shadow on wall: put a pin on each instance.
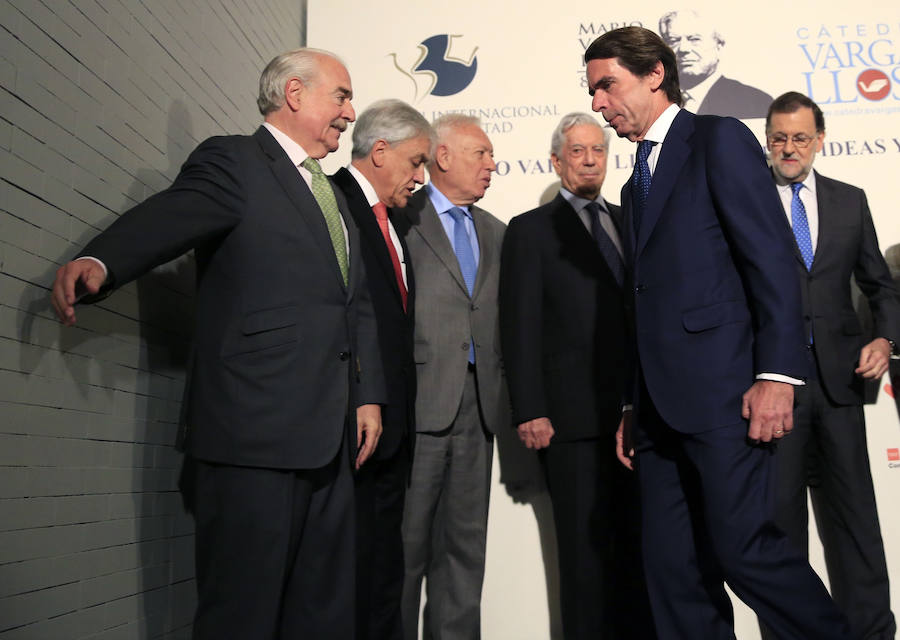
(126, 360)
(522, 477)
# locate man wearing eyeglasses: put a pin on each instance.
(826, 451)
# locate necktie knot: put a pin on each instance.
(457, 214)
(644, 149)
(795, 187)
(312, 165)
(380, 210)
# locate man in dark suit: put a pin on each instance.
(391, 144)
(835, 241)
(461, 400)
(705, 90)
(284, 381)
(718, 343)
(562, 326)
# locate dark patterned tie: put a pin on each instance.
(605, 244)
(640, 182)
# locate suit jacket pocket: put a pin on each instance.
(715, 315)
(264, 329)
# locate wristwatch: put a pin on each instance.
(895, 353)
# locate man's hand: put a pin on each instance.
(73, 280)
(536, 434)
(624, 447)
(368, 430)
(874, 359)
(769, 405)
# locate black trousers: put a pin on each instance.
(274, 550)
(827, 454)
(596, 513)
(380, 491)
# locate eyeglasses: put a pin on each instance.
(800, 140)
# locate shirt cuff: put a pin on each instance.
(105, 271)
(778, 377)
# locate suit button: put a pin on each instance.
(640, 288)
(344, 355)
(474, 307)
(465, 346)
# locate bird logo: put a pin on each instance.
(437, 71)
(873, 84)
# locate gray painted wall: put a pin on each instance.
(100, 103)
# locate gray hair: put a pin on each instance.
(447, 123)
(667, 18)
(558, 139)
(302, 64)
(390, 120)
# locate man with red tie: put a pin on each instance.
(391, 144)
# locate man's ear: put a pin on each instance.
(379, 149)
(657, 75)
(442, 157)
(293, 93)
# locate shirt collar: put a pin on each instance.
(441, 202)
(809, 182)
(364, 184)
(660, 128)
(293, 150)
(578, 203)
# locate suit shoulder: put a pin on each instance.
(489, 218)
(837, 185)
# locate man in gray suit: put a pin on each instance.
(455, 251)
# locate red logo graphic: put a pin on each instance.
(873, 84)
(888, 389)
(893, 454)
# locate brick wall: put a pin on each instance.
(100, 103)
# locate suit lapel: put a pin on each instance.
(300, 195)
(485, 247)
(432, 232)
(828, 210)
(673, 154)
(368, 224)
(576, 238)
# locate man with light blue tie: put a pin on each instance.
(454, 247)
(835, 241)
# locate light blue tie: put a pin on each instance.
(462, 247)
(800, 224)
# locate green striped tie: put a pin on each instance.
(323, 194)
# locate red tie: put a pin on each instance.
(381, 215)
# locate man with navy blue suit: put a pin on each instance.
(718, 344)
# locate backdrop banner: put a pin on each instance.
(520, 68)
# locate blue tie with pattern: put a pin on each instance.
(800, 225)
(640, 182)
(605, 244)
(462, 247)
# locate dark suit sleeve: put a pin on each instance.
(874, 279)
(204, 202)
(521, 309)
(371, 386)
(752, 216)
